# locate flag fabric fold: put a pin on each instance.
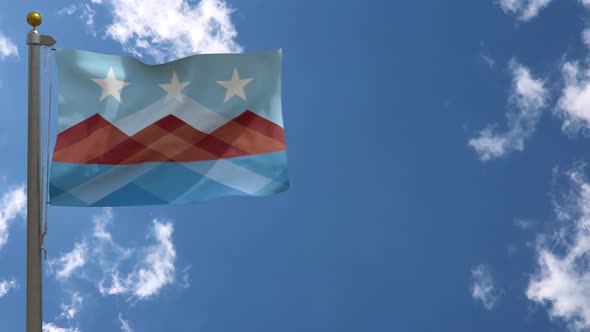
(186, 131)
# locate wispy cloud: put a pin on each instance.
(525, 224)
(527, 100)
(488, 60)
(51, 327)
(6, 286)
(586, 37)
(523, 9)
(125, 327)
(165, 29)
(482, 286)
(65, 265)
(69, 10)
(153, 269)
(86, 14)
(185, 277)
(562, 281)
(7, 47)
(69, 311)
(12, 204)
(107, 253)
(574, 104)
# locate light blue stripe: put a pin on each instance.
(79, 95)
(269, 165)
(66, 176)
(154, 183)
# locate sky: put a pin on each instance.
(438, 161)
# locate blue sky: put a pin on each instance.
(437, 157)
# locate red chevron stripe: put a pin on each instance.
(167, 140)
(256, 122)
(84, 128)
(91, 147)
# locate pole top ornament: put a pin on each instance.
(34, 19)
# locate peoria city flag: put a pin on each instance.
(186, 131)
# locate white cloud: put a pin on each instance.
(125, 327)
(185, 283)
(155, 270)
(65, 265)
(7, 47)
(586, 37)
(87, 17)
(105, 250)
(69, 311)
(525, 224)
(69, 10)
(115, 285)
(12, 204)
(574, 104)
(86, 14)
(562, 281)
(528, 97)
(99, 249)
(169, 29)
(488, 60)
(6, 286)
(524, 9)
(50, 327)
(482, 286)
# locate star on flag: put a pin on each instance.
(173, 88)
(235, 87)
(111, 86)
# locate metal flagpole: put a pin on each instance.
(34, 303)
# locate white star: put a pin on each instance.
(235, 87)
(173, 88)
(110, 86)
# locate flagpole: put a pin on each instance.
(34, 276)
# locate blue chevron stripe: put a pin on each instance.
(167, 183)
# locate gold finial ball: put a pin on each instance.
(34, 19)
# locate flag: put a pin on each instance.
(186, 131)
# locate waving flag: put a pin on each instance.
(186, 131)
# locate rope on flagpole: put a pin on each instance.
(42, 140)
(47, 153)
(42, 127)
